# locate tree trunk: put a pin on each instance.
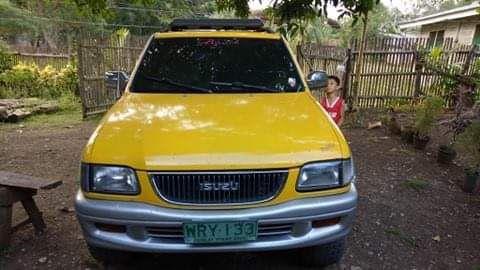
(13, 110)
(359, 67)
(50, 39)
(17, 115)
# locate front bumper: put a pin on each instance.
(286, 226)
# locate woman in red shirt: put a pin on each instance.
(332, 102)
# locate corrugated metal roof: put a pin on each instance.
(448, 15)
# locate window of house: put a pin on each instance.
(435, 38)
(476, 36)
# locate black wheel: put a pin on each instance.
(323, 255)
(110, 256)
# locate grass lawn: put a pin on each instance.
(66, 117)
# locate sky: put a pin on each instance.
(404, 6)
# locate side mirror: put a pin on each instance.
(116, 79)
(317, 79)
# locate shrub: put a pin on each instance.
(402, 105)
(435, 54)
(68, 101)
(416, 184)
(68, 80)
(6, 60)
(426, 114)
(30, 81)
(20, 81)
(469, 142)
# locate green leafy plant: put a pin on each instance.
(30, 81)
(402, 105)
(6, 60)
(435, 54)
(68, 102)
(402, 236)
(20, 81)
(416, 184)
(469, 143)
(426, 115)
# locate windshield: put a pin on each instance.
(216, 65)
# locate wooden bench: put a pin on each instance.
(14, 188)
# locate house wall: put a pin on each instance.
(461, 31)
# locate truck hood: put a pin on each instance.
(215, 132)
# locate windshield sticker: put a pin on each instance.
(292, 82)
(213, 42)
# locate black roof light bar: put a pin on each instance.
(217, 24)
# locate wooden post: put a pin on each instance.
(418, 75)
(300, 58)
(346, 75)
(468, 61)
(359, 63)
(5, 217)
(303, 61)
(81, 77)
(34, 214)
(5, 225)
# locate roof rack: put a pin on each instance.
(218, 24)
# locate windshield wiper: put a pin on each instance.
(244, 85)
(174, 83)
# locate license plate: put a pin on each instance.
(219, 232)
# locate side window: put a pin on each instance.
(435, 38)
(476, 36)
(439, 39)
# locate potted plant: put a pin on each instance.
(408, 132)
(394, 126)
(469, 143)
(446, 153)
(471, 179)
(425, 117)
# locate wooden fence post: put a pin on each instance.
(81, 78)
(359, 63)
(346, 74)
(418, 75)
(468, 61)
(300, 58)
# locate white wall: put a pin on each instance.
(461, 31)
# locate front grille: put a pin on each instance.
(209, 188)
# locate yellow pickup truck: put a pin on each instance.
(217, 145)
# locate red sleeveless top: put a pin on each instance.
(335, 109)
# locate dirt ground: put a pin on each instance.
(399, 225)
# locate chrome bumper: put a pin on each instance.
(139, 217)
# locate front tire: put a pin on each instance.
(323, 255)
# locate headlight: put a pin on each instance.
(324, 175)
(109, 179)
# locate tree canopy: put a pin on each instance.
(55, 22)
(427, 7)
(300, 9)
(287, 9)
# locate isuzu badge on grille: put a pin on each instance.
(225, 186)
